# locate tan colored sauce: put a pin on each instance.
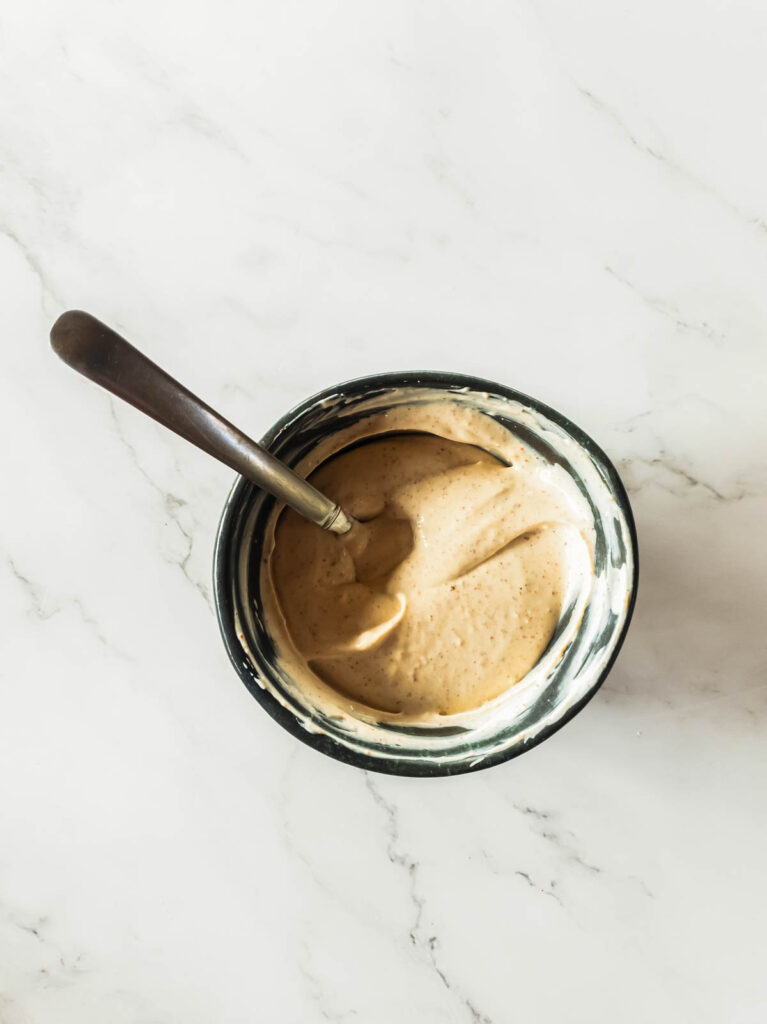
(452, 591)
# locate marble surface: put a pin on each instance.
(571, 199)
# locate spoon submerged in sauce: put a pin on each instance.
(103, 356)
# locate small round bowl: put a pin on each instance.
(568, 673)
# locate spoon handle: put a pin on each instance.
(97, 352)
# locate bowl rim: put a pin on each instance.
(223, 588)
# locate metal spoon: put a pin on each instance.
(97, 352)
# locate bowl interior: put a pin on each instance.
(555, 689)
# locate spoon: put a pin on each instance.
(97, 352)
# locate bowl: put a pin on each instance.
(570, 671)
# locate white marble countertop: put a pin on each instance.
(568, 198)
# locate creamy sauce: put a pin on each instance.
(451, 588)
